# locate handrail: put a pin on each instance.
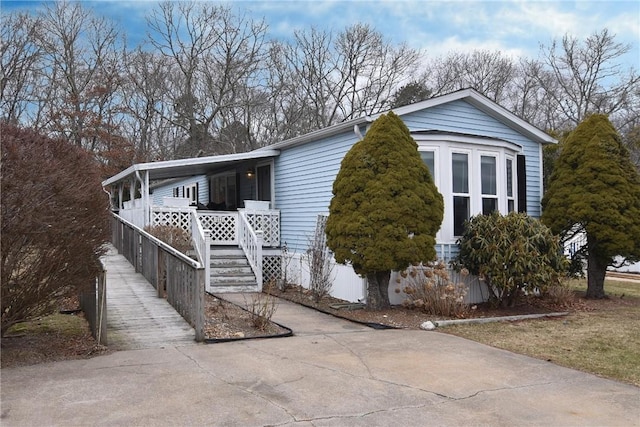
(251, 244)
(202, 243)
(197, 236)
(161, 244)
(166, 269)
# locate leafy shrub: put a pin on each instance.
(430, 288)
(173, 236)
(514, 254)
(55, 221)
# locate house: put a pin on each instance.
(482, 157)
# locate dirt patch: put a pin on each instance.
(225, 320)
(407, 318)
(50, 339)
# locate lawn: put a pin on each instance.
(601, 337)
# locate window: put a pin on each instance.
(460, 180)
(191, 193)
(511, 202)
(488, 179)
(429, 159)
(222, 191)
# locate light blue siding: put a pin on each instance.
(460, 116)
(304, 174)
(166, 190)
(304, 178)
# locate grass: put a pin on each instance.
(601, 337)
(48, 339)
(61, 324)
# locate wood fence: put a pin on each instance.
(173, 274)
(93, 302)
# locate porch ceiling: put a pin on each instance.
(188, 167)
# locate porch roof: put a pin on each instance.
(187, 167)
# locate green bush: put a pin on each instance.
(515, 254)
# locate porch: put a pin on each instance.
(240, 250)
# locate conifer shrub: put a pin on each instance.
(514, 254)
(594, 190)
(385, 209)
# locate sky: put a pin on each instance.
(516, 28)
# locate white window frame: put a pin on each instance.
(481, 196)
(470, 186)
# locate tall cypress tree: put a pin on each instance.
(386, 209)
(595, 189)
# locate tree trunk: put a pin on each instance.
(595, 277)
(378, 290)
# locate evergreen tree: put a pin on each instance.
(385, 210)
(595, 189)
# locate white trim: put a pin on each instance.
(168, 165)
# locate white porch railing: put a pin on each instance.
(248, 229)
(133, 211)
(178, 217)
(202, 244)
(251, 244)
(222, 226)
(268, 222)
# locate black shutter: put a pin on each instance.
(197, 193)
(522, 184)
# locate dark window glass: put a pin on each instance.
(488, 175)
(489, 205)
(460, 214)
(460, 171)
(429, 159)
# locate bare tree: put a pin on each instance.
(145, 102)
(320, 79)
(489, 72)
(219, 55)
(21, 58)
(83, 59)
(587, 77)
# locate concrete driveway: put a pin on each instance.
(343, 377)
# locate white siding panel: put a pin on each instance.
(347, 285)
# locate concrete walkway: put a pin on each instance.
(331, 373)
(136, 317)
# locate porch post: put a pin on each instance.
(146, 203)
(120, 195)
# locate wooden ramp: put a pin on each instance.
(136, 317)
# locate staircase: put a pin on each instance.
(230, 271)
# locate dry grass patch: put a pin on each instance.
(599, 336)
(49, 339)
